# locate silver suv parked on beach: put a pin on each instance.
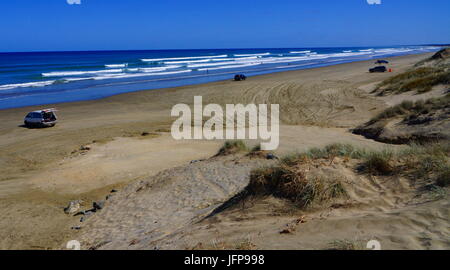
(41, 118)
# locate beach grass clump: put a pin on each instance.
(378, 163)
(441, 149)
(420, 79)
(292, 183)
(328, 152)
(232, 147)
(429, 161)
(443, 177)
(426, 166)
(426, 84)
(410, 110)
(345, 150)
(411, 74)
(291, 179)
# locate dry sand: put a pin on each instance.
(43, 169)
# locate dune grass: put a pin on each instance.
(412, 109)
(290, 183)
(378, 163)
(232, 147)
(330, 151)
(443, 178)
(287, 180)
(421, 79)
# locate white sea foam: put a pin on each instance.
(155, 69)
(187, 61)
(237, 58)
(184, 58)
(209, 60)
(149, 70)
(297, 52)
(133, 75)
(213, 64)
(252, 54)
(392, 50)
(30, 84)
(228, 67)
(268, 60)
(117, 66)
(78, 73)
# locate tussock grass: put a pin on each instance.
(428, 161)
(443, 178)
(291, 183)
(420, 79)
(328, 152)
(291, 180)
(411, 110)
(232, 147)
(378, 163)
(426, 84)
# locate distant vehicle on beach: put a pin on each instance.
(378, 69)
(41, 118)
(382, 62)
(240, 77)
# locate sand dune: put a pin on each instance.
(318, 106)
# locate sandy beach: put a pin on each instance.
(121, 141)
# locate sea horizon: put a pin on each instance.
(48, 77)
(236, 48)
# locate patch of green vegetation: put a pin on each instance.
(330, 151)
(289, 180)
(426, 84)
(428, 161)
(378, 163)
(413, 109)
(289, 183)
(420, 79)
(233, 147)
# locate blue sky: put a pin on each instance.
(47, 25)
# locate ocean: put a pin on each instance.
(38, 78)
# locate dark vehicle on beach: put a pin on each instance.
(378, 69)
(41, 118)
(382, 62)
(240, 77)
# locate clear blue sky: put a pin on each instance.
(31, 25)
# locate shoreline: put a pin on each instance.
(258, 72)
